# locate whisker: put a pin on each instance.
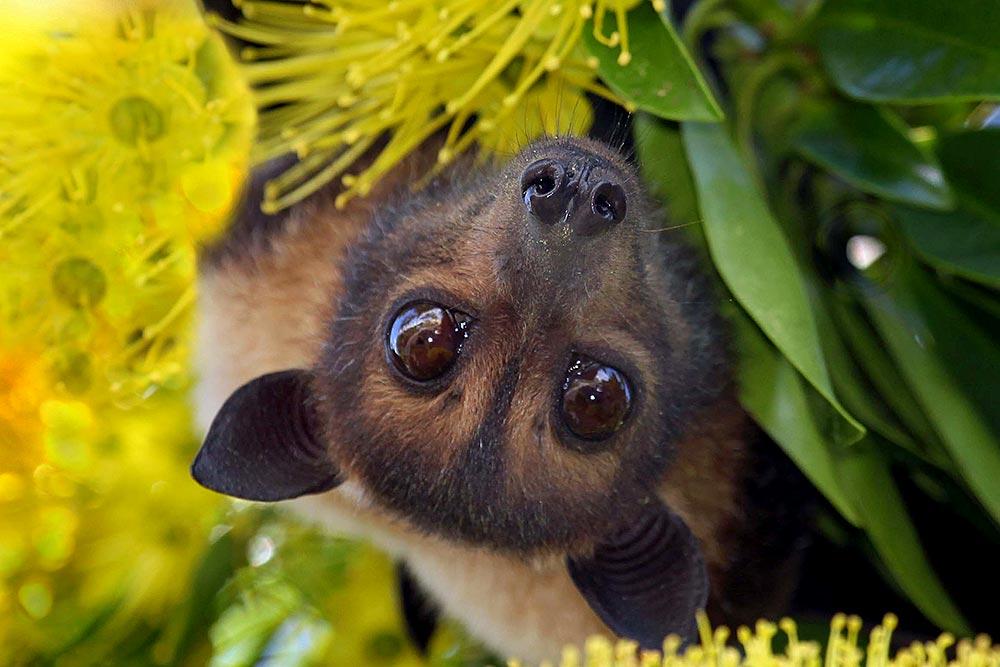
(572, 114)
(557, 125)
(671, 227)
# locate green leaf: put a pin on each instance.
(217, 566)
(962, 430)
(866, 147)
(299, 641)
(967, 241)
(661, 77)
(242, 631)
(960, 242)
(665, 168)
(856, 480)
(870, 354)
(912, 51)
(778, 400)
(857, 392)
(967, 347)
(755, 261)
(977, 299)
(971, 159)
(865, 472)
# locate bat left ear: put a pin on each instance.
(647, 580)
(264, 443)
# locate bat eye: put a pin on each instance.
(596, 399)
(425, 338)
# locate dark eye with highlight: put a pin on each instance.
(425, 338)
(596, 399)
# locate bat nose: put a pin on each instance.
(580, 192)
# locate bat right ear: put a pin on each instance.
(647, 580)
(264, 444)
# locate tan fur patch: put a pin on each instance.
(518, 608)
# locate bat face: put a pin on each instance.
(515, 354)
(512, 358)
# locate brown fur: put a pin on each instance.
(288, 299)
(459, 463)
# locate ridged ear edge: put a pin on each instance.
(264, 443)
(647, 580)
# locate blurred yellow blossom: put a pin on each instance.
(123, 141)
(496, 74)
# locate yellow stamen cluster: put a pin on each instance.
(122, 145)
(843, 649)
(123, 140)
(336, 81)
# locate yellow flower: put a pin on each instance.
(23, 386)
(337, 80)
(123, 139)
(122, 145)
(842, 649)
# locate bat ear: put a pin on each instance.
(264, 443)
(647, 580)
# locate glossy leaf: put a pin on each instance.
(665, 168)
(968, 347)
(778, 399)
(912, 51)
(866, 473)
(856, 391)
(661, 77)
(866, 147)
(217, 565)
(240, 634)
(979, 299)
(755, 261)
(869, 352)
(300, 641)
(959, 242)
(971, 160)
(967, 241)
(964, 433)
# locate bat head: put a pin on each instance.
(513, 358)
(516, 352)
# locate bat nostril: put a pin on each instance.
(543, 187)
(544, 184)
(582, 192)
(606, 209)
(608, 202)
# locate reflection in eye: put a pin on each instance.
(425, 338)
(596, 399)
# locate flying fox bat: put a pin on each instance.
(506, 382)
